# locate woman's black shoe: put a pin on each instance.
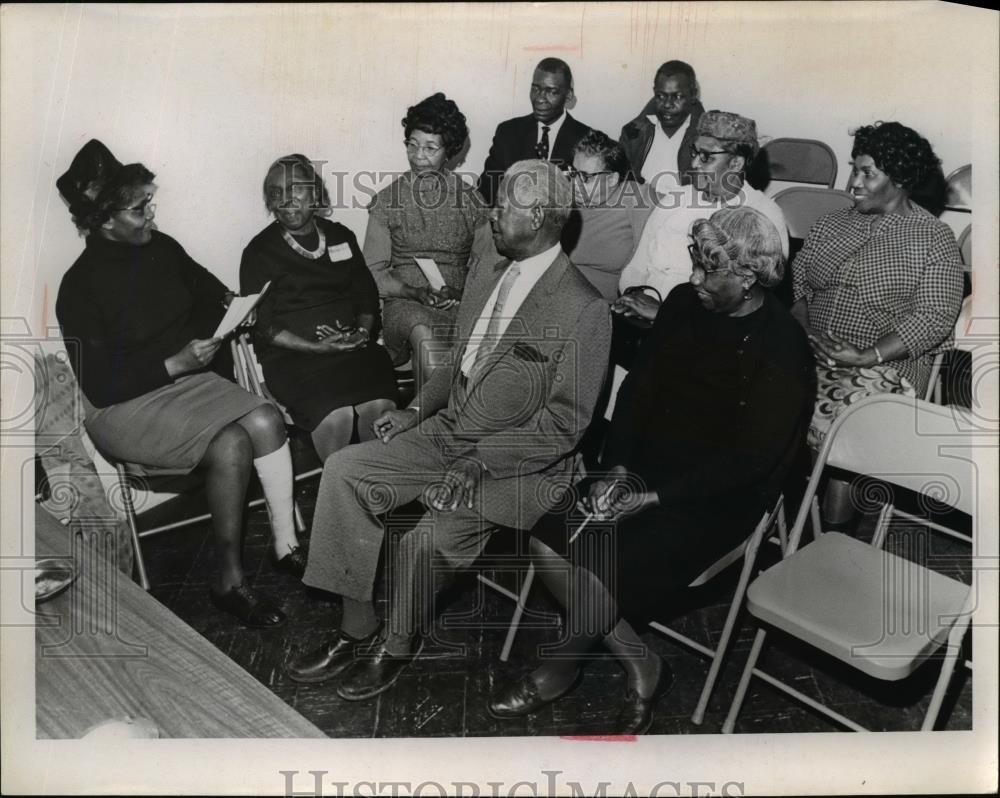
(636, 715)
(248, 606)
(293, 563)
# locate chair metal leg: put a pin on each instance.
(126, 489)
(782, 527)
(300, 523)
(955, 636)
(817, 521)
(741, 689)
(515, 621)
(749, 560)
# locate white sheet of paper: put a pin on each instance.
(431, 272)
(237, 311)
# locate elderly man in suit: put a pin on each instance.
(488, 442)
(548, 132)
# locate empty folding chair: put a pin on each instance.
(792, 160)
(879, 613)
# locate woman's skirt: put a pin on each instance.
(312, 386)
(839, 387)
(172, 426)
(400, 316)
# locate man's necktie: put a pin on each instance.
(491, 338)
(542, 148)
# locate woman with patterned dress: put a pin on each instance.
(315, 327)
(432, 213)
(878, 286)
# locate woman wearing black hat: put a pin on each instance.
(142, 314)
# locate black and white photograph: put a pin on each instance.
(499, 399)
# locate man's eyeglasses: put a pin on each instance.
(141, 208)
(704, 156)
(585, 177)
(428, 149)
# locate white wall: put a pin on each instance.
(208, 96)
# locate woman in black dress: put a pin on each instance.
(716, 403)
(316, 325)
(141, 314)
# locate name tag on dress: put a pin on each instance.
(339, 252)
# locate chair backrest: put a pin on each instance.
(801, 161)
(958, 191)
(908, 442)
(803, 205)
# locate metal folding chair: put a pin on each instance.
(792, 160)
(803, 205)
(879, 613)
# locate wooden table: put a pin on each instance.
(107, 650)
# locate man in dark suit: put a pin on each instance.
(658, 141)
(548, 133)
(490, 441)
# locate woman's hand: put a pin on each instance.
(637, 305)
(447, 297)
(196, 355)
(614, 498)
(340, 342)
(422, 294)
(835, 351)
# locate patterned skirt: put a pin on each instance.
(839, 387)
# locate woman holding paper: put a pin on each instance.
(427, 214)
(316, 324)
(704, 425)
(140, 314)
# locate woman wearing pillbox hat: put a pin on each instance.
(142, 314)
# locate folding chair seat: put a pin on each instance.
(875, 611)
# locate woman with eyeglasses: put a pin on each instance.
(140, 314)
(316, 325)
(705, 426)
(610, 211)
(428, 212)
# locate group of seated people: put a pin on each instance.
(570, 246)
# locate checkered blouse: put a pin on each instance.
(866, 275)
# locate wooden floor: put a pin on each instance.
(445, 692)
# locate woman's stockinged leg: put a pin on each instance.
(227, 472)
(590, 614)
(333, 432)
(591, 619)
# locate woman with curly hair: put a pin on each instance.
(316, 325)
(877, 286)
(429, 212)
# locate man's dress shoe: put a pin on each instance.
(374, 673)
(520, 697)
(327, 661)
(636, 716)
(248, 606)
